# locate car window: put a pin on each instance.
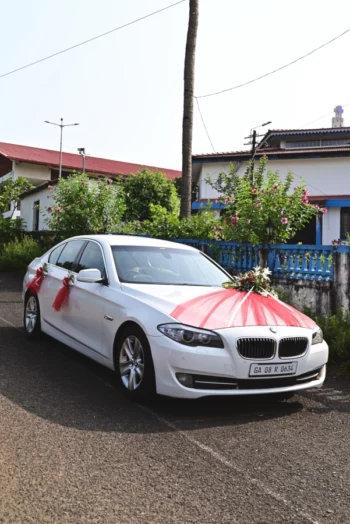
(69, 254)
(166, 266)
(55, 254)
(92, 258)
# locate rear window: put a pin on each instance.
(55, 254)
(70, 252)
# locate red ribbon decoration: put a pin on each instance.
(62, 295)
(35, 284)
(227, 308)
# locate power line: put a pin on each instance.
(275, 70)
(321, 117)
(90, 39)
(205, 127)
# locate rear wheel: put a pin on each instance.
(31, 318)
(134, 364)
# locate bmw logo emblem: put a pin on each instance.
(273, 329)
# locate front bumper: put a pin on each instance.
(171, 358)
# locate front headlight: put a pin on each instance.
(190, 336)
(317, 337)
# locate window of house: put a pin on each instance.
(92, 258)
(344, 221)
(67, 258)
(36, 214)
(304, 144)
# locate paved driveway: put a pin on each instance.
(73, 450)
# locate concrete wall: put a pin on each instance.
(323, 176)
(27, 208)
(35, 174)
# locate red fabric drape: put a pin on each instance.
(232, 308)
(62, 295)
(35, 284)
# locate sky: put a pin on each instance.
(126, 89)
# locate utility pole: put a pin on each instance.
(252, 141)
(61, 125)
(81, 151)
(187, 121)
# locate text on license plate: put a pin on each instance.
(260, 370)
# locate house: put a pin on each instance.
(41, 168)
(320, 156)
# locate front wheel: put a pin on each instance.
(134, 364)
(31, 318)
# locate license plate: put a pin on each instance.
(267, 370)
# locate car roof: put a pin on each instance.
(134, 240)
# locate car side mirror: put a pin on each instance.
(89, 276)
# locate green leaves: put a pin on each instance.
(147, 188)
(10, 190)
(267, 200)
(85, 206)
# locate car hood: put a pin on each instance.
(218, 308)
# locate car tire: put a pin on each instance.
(134, 364)
(31, 316)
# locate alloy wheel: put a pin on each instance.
(131, 363)
(31, 314)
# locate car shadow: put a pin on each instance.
(51, 381)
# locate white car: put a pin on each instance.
(157, 314)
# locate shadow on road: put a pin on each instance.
(56, 383)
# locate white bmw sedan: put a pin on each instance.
(156, 312)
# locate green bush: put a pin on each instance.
(15, 256)
(336, 332)
(146, 187)
(10, 229)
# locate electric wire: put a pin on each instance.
(90, 40)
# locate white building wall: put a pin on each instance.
(323, 176)
(331, 226)
(35, 174)
(27, 208)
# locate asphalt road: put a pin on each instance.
(74, 450)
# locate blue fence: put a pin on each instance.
(306, 262)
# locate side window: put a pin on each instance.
(92, 258)
(69, 254)
(55, 254)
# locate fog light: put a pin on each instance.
(185, 379)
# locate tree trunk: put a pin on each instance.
(187, 122)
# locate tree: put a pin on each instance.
(145, 188)
(187, 122)
(268, 201)
(85, 206)
(10, 191)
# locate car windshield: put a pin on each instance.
(167, 266)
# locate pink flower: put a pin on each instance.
(254, 191)
(324, 210)
(49, 209)
(227, 200)
(110, 181)
(305, 192)
(274, 188)
(284, 220)
(305, 200)
(234, 220)
(262, 192)
(49, 188)
(58, 209)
